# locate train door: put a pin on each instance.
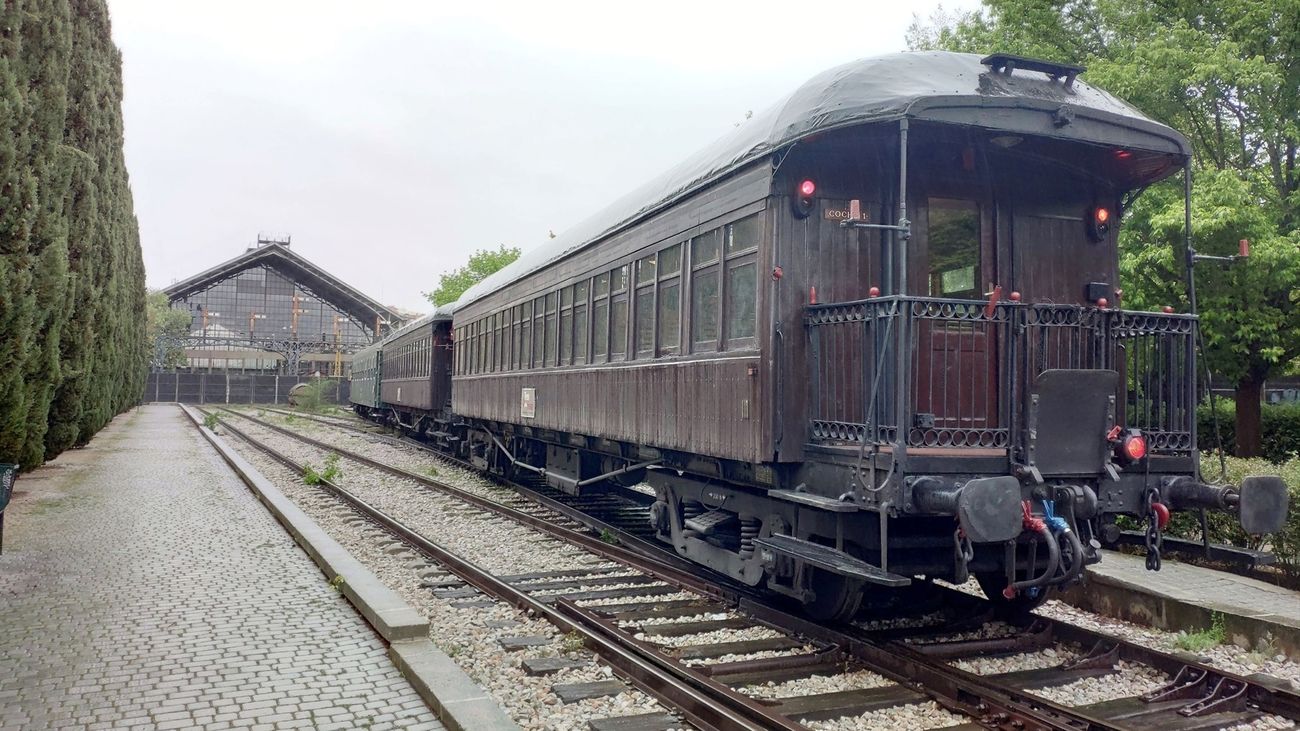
(955, 363)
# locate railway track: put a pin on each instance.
(649, 625)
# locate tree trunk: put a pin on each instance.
(1250, 391)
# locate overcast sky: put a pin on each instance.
(392, 139)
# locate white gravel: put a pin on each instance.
(1046, 658)
(714, 637)
(813, 684)
(916, 717)
(763, 655)
(1130, 680)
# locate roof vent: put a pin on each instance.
(1005, 63)
(266, 239)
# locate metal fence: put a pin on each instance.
(958, 373)
(231, 388)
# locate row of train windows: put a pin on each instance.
(410, 360)
(714, 274)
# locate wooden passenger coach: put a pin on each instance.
(872, 334)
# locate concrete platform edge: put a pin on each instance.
(1116, 597)
(459, 702)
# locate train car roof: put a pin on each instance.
(951, 88)
(442, 314)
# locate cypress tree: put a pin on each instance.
(71, 275)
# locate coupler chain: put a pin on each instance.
(1154, 536)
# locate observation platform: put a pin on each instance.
(143, 585)
(1184, 597)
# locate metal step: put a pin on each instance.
(827, 559)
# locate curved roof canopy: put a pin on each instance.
(953, 88)
(310, 277)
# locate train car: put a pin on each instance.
(366, 364)
(872, 335)
(415, 375)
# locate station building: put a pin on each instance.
(260, 323)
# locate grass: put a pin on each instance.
(331, 471)
(608, 536)
(571, 642)
(1201, 640)
(211, 421)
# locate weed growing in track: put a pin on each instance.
(328, 474)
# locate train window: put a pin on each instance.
(704, 308)
(566, 297)
(580, 292)
(743, 235)
(645, 270)
(601, 286)
(566, 336)
(618, 279)
(645, 321)
(549, 358)
(954, 247)
(741, 300)
(618, 327)
(670, 322)
(670, 261)
(580, 330)
(526, 340)
(704, 248)
(539, 331)
(599, 329)
(516, 335)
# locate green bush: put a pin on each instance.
(1279, 426)
(315, 395)
(1224, 528)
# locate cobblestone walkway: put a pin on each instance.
(143, 586)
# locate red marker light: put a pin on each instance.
(1103, 303)
(1167, 310)
(873, 292)
(1123, 154)
(1015, 296)
(1103, 215)
(807, 188)
(1135, 447)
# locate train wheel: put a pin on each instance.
(836, 599)
(1023, 603)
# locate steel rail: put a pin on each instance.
(1269, 694)
(964, 692)
(706, 707)
(686, 570)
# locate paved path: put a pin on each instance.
(1180, 595)
(142, 585)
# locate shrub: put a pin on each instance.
(315, 395)
(1279, 427)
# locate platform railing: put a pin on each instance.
(958, 373)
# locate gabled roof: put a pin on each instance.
(955, 88)
(295, 268)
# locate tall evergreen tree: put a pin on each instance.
(71, 276)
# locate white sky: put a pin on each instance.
(392, 139)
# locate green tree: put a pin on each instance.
(481, 264)
(1227, 75)
(71, 276)
(165, 326)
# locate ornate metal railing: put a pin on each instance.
(958, 373)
